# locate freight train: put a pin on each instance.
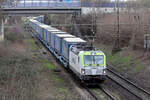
(86, 62)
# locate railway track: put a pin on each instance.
(107, 95)
(92, 93)
(131, 87)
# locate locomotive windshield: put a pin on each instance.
(88, 60)
(99, 59)
(93, 59)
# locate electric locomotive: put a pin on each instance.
(87, 63)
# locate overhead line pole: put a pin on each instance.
(118, 28)
(116, 45)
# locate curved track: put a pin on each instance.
(132, 88)
(101, 90)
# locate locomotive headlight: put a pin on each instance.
(104, 71)
(83, 71)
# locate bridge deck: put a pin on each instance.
(39, 10)
(41, 7)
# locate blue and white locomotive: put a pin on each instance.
(87, 63)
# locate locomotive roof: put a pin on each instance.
(74, 40)
(84, 47)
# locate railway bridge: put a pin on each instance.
(37, 7)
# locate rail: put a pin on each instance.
(102, 90)
(93, 94)
(131, 87)
(107, 93)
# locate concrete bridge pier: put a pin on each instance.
(2, 30)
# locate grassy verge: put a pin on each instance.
(26, 74)
(17, 75)
(1, 38)
(33, 44)
(122, 63)
(57, 84)
(46, 70)
(47, 64)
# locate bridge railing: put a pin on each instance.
(41, 3)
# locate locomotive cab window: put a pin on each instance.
(98, 59)
(88, 59)
(93, 59)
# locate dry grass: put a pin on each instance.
(17, 78)
(17, 74)
(26, 74)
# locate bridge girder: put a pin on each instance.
(39, 11)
